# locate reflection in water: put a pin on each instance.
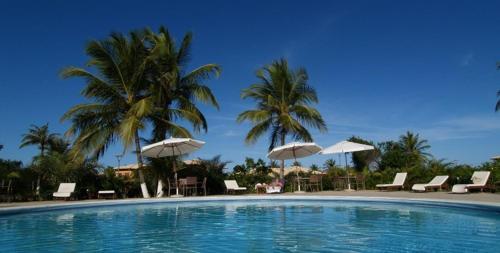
(276, 226)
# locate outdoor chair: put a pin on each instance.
(479, 180)
(232, 186)
(339, 183)
(359, 182)
(203, 186)
(190, 185)
(66, 190)
(398, 183)
(170, 186)
(315, 182)
(438, 183)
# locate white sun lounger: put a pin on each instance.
(232, 185)
(436, 183)
(65, 190)
(398, 183)
(479, 180)
(273, 189)
(106, 193)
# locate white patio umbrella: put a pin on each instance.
(171, 147)
(346, 147)
(294, 150)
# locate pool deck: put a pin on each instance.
(483, 200)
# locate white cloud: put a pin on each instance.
(231, 133)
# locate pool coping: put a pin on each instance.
(488, 206)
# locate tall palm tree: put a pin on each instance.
(497, 107)
(41, 137)
(414, 148)
(284, 106)
(140, 79)
(177, 90)
(117, 90)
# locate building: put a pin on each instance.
(126, 170)
(129, 169)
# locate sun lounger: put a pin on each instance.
(398, 182)
(479, 180)
(106, 193)
(436, 183)
(232, 186)
(273, 189)
(65, 190)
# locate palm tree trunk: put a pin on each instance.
(37, 192)
(37, 189)
(144, 188)
(159, 189)
(282, 167)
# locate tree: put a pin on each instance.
(41, 137)
(215, 173)
(497, 107)
(239, 169)
(177, 90)
(391, 155)
(363, 159)
(414, 148)
(330, 163)
(314, 167)
(284, 106)
(119, 101)
(261, 167)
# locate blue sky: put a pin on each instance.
(380, 67)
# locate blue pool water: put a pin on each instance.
(254, 226)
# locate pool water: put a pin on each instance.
(254, 226)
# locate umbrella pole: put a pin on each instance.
(175, 178)
(347, 170)
(298, 175)
(174, 166)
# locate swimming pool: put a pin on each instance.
(255, 226)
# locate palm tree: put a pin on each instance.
(497, 107)
(414, 148)
(214, 167)
(117, 90)
(177, 90)
(39, 136)
(284, 100)
(330, 163)
(139, 79)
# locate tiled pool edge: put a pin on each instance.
(488, 206)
